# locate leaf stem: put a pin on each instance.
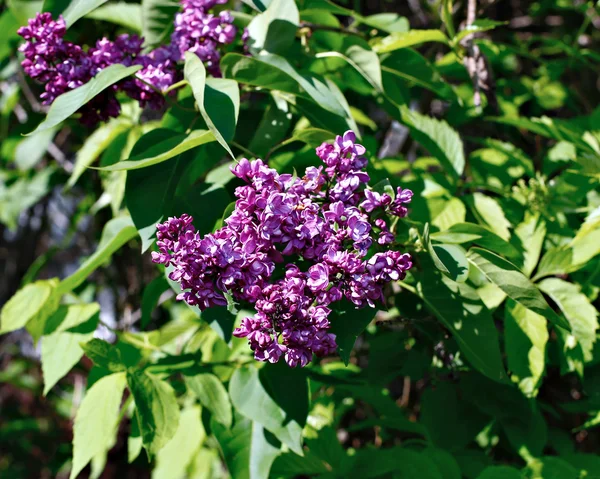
(174, 86)
(314, 26)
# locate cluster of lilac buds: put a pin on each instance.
(63, 66)
(292, 247)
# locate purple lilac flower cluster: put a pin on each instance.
(328, 222)
(62, 66)
(202, 33)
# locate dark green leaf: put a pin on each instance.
(413, 68)
(347, 323)
(157, 410)
(112, 357)
(150, 297)
(500, 472)
(218, 100)
(460, 309)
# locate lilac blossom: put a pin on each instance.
(63, 66)
(324, 221)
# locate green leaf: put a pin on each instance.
(347, 323)
(364, 61)
(519, 417)
(68, 103)
(116, 233)
(96, 420)
(403, 462)
(531, 232)
(451, 422)
(550, 468)
(169, 146)
(157, 20)
(150, 297)
(398, 40)
(515, 284)
(526, 335)
(150, 194)
(461, 233)
(93, 147)
(413, 68)
(577, 308)
(478, 26)
(489, 212)
(71, 10)
(32, 149)
(212, 395)
(251, 397)
(272, 128)
(61, 348)
(275, 73)
(558, 260)
(112, 357)
(500, 472)
(218, 100)
(8, 38)
(258, 5)
(451, 260)
(439, 138)
(173, 459)
(249, 450)
(22, 194)
(387, 22)
(23, 10)
(586, 243)
(446, 15)
(26, 304)
(274, 30)
(460, 309)
(454, 212)
(445, 463)
(128, 15)
(157, 410)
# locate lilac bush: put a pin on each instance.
(63, 66)
(292, 247)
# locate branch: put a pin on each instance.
(472, 53)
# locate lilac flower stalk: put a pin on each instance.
(327, 218)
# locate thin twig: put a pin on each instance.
(244, 149)
(314, 26)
